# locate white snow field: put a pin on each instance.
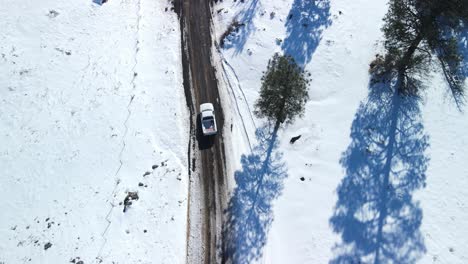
(373, 178)
(92, 106)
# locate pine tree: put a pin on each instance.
(284, 91)
(414, 31)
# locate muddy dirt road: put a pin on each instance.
(207, 178)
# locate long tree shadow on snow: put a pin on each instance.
(462, 38)
(249, 213)
(375, 214)
(305, 23)
(245, 18)
(455, 75)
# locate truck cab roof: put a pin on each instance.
(206, 107)
(207, 110)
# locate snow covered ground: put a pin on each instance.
(92, 107)
(371, 176)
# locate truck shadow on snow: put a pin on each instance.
(204, 142)
(305, 23)
(375, 214)
(249, 214)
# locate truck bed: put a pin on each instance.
(208, 125)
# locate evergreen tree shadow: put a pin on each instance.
(456, 76)
(375, 214)
(305, 23)
(244, 28)
(249, 213)
(462, 38)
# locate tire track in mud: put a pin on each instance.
(207, 185)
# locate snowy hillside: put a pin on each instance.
(320, 200)
(92, 107)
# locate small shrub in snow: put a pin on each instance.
(131, 196)
(233, 28)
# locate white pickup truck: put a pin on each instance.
(208, 120)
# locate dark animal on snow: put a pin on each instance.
(294, 139)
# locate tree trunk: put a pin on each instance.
(403, 63)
